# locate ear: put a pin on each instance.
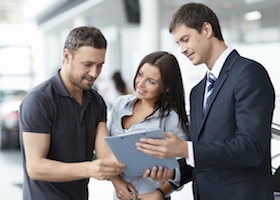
(207, 29)
(66, 56)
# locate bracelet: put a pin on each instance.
(162, 193)
(174, 174)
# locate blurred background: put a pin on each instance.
(33, 33)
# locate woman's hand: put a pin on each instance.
(124, 190)
(158, 173)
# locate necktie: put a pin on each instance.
(211, 79)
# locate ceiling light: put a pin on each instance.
(252, 1)
(255, 15)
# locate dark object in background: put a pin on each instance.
(132, 11)
(276, 180)
(9, 118)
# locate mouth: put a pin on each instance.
(190, 56)
(140, 91)
(90, 80)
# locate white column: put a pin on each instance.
(150, 25)
(79, 21)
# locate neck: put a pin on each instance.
(217, 49)
(75, 92)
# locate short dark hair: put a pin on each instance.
(85, 36)
(172, 94)
(194, 15)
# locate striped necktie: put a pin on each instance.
(211, 79)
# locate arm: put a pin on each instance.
(159, 194)
(123, 188)
(161, 174)
(39, 167)
(102, 150)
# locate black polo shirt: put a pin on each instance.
(50, 109)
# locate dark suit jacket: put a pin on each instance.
(232, 140)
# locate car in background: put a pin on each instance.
(9, 117)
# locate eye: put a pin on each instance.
(185, 39)
(140, 74)
(100, 65)
(152, 81)
(87, 64)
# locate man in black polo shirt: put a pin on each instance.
(63, 120)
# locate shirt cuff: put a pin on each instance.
(177, 179)
(190, 159)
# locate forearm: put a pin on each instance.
(56, 171)
(102, 150)
(166, 188)
(115, 180)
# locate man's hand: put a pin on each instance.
(170, 147)
(104, 169)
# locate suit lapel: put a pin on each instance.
(218, 84)
(200, 98)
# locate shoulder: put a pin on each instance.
(245, 63)
(38, 100)
(173, 115)
(42, 91)
(172, 124)
(124, 100)
(171, 119)
(246, 69)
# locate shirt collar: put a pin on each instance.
(220, 62)
(59, 86)
(130, 103)
(61, 89)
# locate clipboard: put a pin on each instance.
(136, 162)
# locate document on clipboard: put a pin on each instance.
(136, 162)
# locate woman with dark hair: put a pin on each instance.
(158, 101)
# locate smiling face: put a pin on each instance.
(194, 45)
(148, 83)
(82, 67)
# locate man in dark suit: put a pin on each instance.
(230, 131)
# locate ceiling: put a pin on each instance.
(10, 11)
(108, 12)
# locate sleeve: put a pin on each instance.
(171, 124)
(185, 174)
(182, 176)
(36, 113)
(113, 114)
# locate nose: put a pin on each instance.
(94, 71)
(141, 83)
(183, 48)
